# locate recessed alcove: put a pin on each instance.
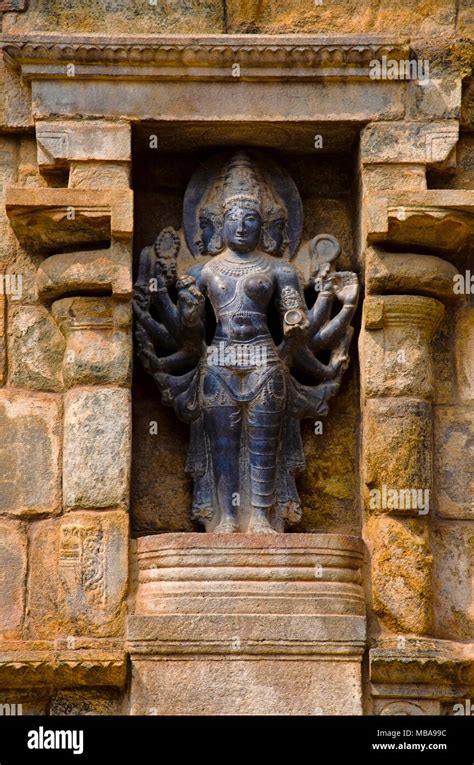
(165, 155)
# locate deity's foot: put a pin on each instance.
(259, 524)
(226, 526)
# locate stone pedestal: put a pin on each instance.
(247, 624)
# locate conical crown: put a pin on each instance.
(242, 185)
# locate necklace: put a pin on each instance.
(233, 268)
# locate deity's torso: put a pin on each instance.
(240, 291)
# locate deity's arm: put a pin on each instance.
(290, 301)
(157, 333)
(334, 330)
(321, 309)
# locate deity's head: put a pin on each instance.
(242, 205)
(242, 212)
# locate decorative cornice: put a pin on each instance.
(62, 669)
(211, 56)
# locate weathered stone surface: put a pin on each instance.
(327, 487)
(87, 701)
(437, 97)
(160, 498)
(28, 171)
(99, 175)
(386, 177)
(93, 270)
(202, 686)
(436, 220)
(296, 16)
(85, 554)
(453, 575)
(119, 17)
(228, 99)
(13, 568)
(30, 453)
(396, 358)
(407, 707)
(3, 358)
(15, 101)
(82, 140)
(462, 177)
(21, 702)
(408, 273)
(98, 340)
(401, 568)
(97, 436)
(444, 383)
(35, 349)
(51, 218)
(8, 173)
(464, 353)
(454, 461)
(210, 600)
(428, 142)
(397, 440)
(407, 665)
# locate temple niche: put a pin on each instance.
(232, 184)
(324, 220)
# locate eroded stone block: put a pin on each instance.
(454, 461)
(82, 140)
(92, 270)
(427, 142)
(396, 360)
(453, 579)
(464, 353)
(398, 456)
(98, 340)
(97, 435)
(84, 556)
(401, 567)
(99, 175)
(35, 349)
(86, 701)
(13, 568)
(30, 427)
(201, 686)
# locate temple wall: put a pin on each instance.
(83, 479)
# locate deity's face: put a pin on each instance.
(242, 229)
(277, 232)
(207, 232)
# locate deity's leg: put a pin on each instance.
(264, 426)
(223, 427)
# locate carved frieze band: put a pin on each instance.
(183, 54)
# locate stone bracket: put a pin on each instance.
(438, 220)
(406, 661)
(62, 142)
(409, 142)
(49, 219)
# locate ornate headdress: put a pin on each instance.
(242, 184)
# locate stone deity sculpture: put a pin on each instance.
(227, 334)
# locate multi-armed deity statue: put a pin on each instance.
(224, 328)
